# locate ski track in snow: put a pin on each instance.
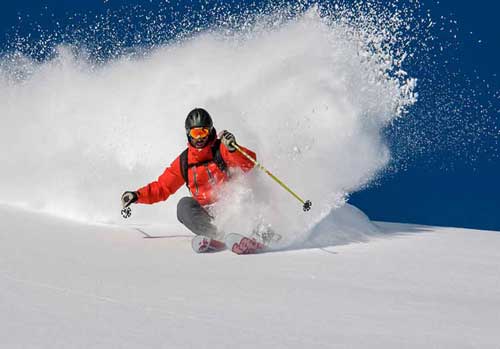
(8, 275)
(159, 311)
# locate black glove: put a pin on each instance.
(128, 198)
(227, 138)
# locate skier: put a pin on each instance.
(203, 167)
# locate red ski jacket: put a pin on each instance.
(203, 179)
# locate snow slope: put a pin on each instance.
(65, 284)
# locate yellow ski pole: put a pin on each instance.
(306, 205)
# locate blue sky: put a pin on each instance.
(444, 186)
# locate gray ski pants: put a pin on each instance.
(195, 217)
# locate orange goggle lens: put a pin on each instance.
(199, 132)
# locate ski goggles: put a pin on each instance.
(199, 132)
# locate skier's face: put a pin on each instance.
(199, 143)
(199, 136)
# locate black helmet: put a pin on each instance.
(198, 118)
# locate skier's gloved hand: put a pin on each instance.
(128, 198)
(227, 138)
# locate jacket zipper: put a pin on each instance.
(210, 175)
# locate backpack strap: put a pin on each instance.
(219, 161)
(217, 158)
(184, 165)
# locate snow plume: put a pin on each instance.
(308, 90)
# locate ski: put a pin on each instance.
(241, 244)
(202, 244)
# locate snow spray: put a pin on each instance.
(309, 89)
